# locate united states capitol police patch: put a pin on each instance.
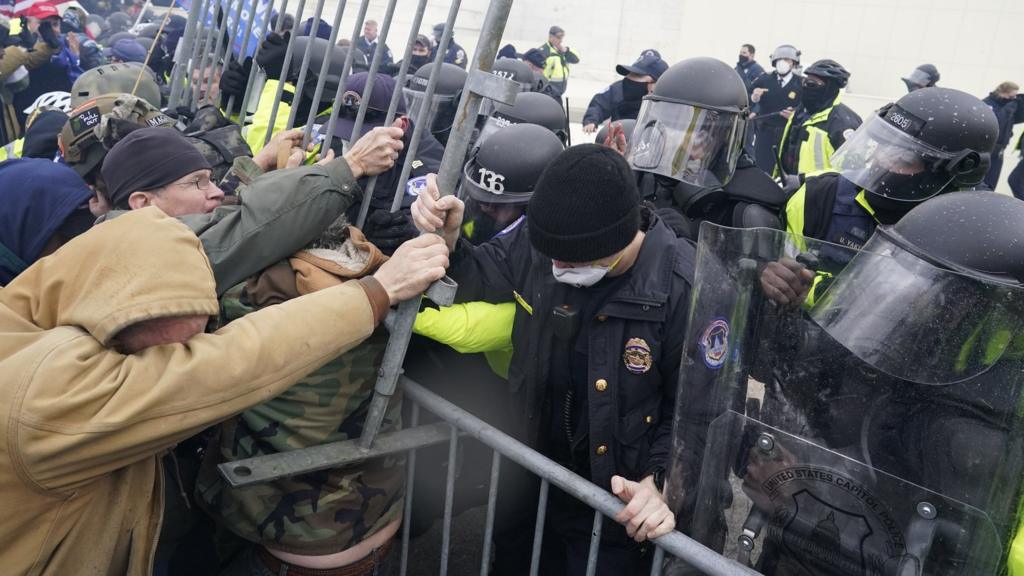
(714, 343)
(637, 356)
(416, 185)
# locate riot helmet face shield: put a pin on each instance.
(885, 160)
(695, 145)
(440, 109)
(917, 322)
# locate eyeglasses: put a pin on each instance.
(201, 183)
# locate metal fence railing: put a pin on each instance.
(209, 44)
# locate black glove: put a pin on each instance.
(389, 230)
(234, 80)
(271, 56)
(26, 38)
(49, 35)
(683, 227)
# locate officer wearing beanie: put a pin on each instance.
(602, 291)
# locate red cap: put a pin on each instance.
(42, 10)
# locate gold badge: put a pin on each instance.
(637, 356)
(792, 95)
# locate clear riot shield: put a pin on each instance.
(874, 430)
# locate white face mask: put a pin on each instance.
(783, 67)
(582, 276)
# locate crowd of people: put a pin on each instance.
(185, 287)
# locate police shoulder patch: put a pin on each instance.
(416, 185)
(515, 224)
(637, 356)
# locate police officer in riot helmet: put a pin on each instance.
(929, 142)
(529, 108)
(441, 108)
(688, 151)
(924, 76)
(888, 436)
(498, 180)
(510, 69)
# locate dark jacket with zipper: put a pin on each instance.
(624, 426)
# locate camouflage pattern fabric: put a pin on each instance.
(322, 512)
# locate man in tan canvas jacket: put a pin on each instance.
(105, 366)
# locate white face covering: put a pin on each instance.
(582, 276)
(783, 67)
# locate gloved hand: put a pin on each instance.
(791, 183)
(388, 230)
(49, 35)
(234, 80)
(26, 38)
(271, 56)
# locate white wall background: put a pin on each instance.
(975, 44)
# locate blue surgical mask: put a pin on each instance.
(582, 276)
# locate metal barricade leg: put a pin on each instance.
(659, 560)
(250, 21)
(304, 67)
(449, 500)
(538, 531)
(192, 25)
(595, 543)
(410, 464)
(492, 503)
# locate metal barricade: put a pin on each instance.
(209, 42)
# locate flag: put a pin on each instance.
(15, 8)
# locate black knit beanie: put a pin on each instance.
(147, 159)
(585, 206)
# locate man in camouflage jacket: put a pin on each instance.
(322, 518)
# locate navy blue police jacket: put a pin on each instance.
(632, 340)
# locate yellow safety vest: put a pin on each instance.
(12, 149)
(555, 68)
(815, 152)
(256, 132)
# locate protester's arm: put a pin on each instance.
(485, 272)
(15, 56)
(282, 211)
(119, 409)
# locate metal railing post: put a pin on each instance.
(254, 70)
(203, 32)
(285, 66)
(595, 543)
(186, 41)
(241, 55)
(414, 419)
(538, 529)
(314, 26)
(492, 504)
(449, 500)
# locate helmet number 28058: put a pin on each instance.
(492, 181)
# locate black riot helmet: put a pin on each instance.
(930, 141)
(529, 108)
(943, 286)
(516, 70)
(924, 76)
(691, 128)
(321, 49)
(830, 71)
(119, 22)
(628, 126)
(442, 106)
(500, 176)
(511, 69)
